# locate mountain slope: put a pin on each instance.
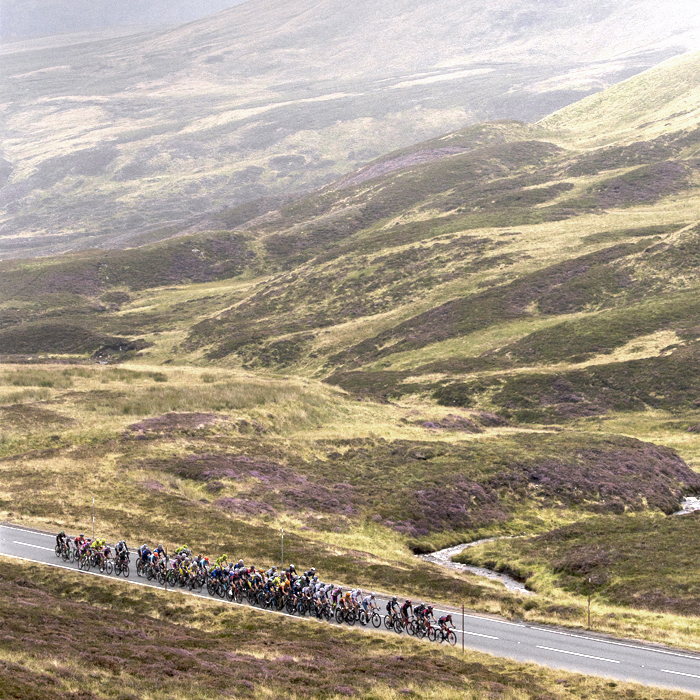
(487, 334)
(106, 142)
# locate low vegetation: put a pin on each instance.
(500, 340)
(66, 634)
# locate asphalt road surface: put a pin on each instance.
(556, 648)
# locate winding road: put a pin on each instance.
(587, 653)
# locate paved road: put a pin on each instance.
(582, 653)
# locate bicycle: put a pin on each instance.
(345, 615)
(394, 621)
(443, 635)
(367, 617)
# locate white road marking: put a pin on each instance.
(476, 634)
(21, 529)
(678, 673)
(36, 546)
(638, 647)
(574, 653)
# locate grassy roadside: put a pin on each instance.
(65, 634)
(221, 460)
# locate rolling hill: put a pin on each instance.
(490, 333)
(120, 141)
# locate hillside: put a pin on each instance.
(491, 333)
(118, 141)
(20, 19)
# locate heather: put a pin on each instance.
(73, 636)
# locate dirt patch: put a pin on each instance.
(245, 507)
(28, 417)
(452, 422)
(175, 423)
(208, 467)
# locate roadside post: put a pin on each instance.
(462, 628)
(93, 518)
(282, 531)
(589, 602)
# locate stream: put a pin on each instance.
(690, 505)
(444, 556)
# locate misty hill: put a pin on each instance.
(124, 140)
(20, 19)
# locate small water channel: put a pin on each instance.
(444, 558)
(689, 505)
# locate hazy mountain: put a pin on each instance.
(27, 18)
(112, 141)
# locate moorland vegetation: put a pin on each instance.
(490, 334)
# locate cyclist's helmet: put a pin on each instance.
(313, 569)
(81, 535)
(240, 562)
(359, 591)
(449, 617)
(371, 595)
(430, 607)
(292, 567)
(315, 579)
(408, 601)
(394, 598)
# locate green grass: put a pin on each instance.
(634, 561)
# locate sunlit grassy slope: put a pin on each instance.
(492, 333)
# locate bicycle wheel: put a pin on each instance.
(376, 619)
(432, 634)
(350, 617)
(125, 570)
(339, 615)
(451, 638)
(57, 550)
(398, 626)
(410, 628)
(387, 622)
(362, 618)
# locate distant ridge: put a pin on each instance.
(130, 139)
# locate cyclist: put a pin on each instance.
(444, 621)
(392, 607)
(122, 551)
(222, 560)
(356, 598)
(423, 611)
(61, 539)
(369, 603)
(405, 608)
(337, 592)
